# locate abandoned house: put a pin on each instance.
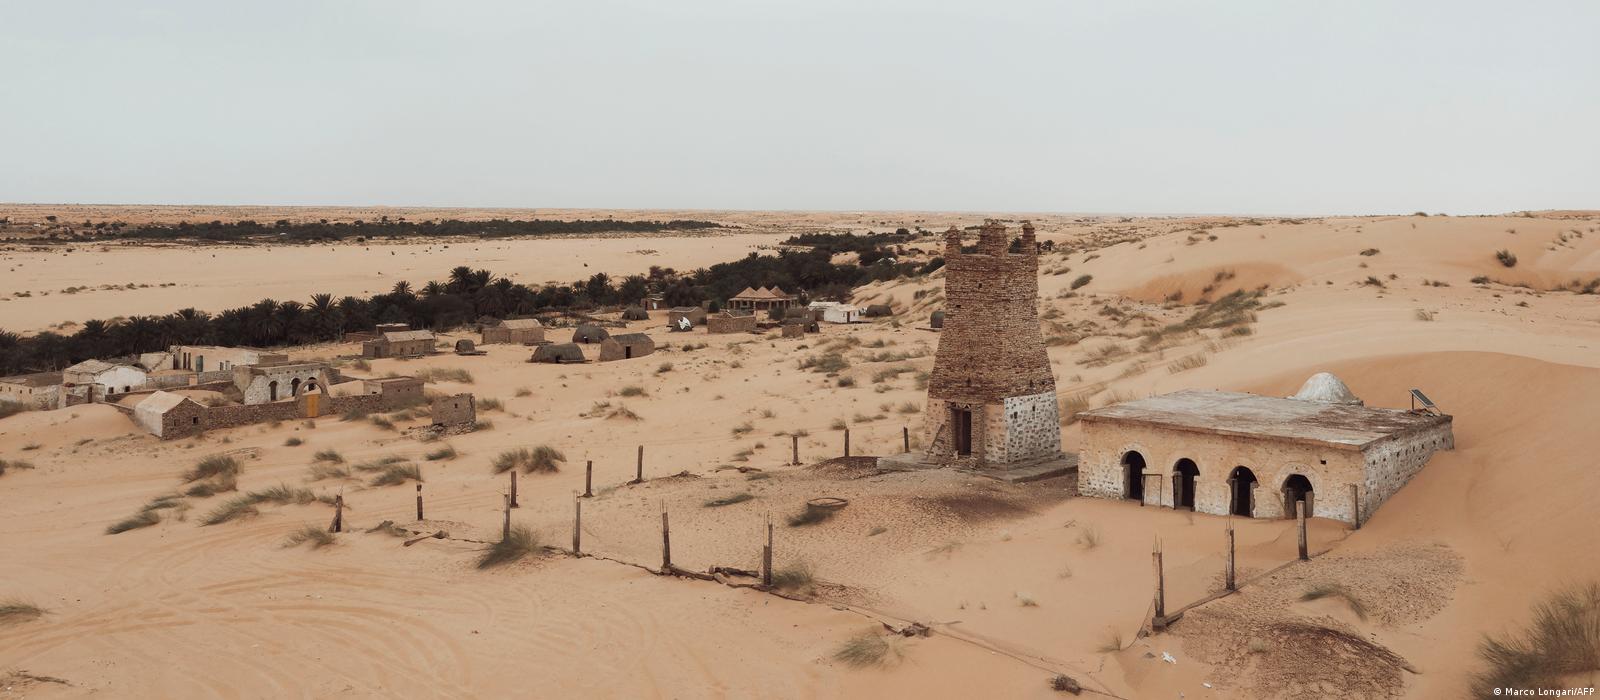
(683, 318)
(626, 346)
(454, 411)
(210, 358)
(635, 313)
(398, 344)
(282, 380)
(728, 322)
(589, 333)
(558, 353)
(761, 298)
(834, 312)
(991, 394)
(41, 390)
(516, 331)
(1257, 456)
(395, 391)
(170, 416)
(91, 381)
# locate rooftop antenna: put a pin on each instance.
(1418, 397)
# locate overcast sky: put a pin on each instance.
(1261, 106)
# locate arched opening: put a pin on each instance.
(294, 387)
(1242, 490)
(1133, 475)
(311, 386)
(1184, 474)
(1296, 489)
(272, 390)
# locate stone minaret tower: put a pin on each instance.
(991, 397)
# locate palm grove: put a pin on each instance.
(467, 296)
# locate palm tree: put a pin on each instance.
(401, 289)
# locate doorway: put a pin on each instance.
(627, 352)
(1296, 489)
(1133, 476)
(961, 428)
(272, 391)
(1242, 487)
(1184, 474)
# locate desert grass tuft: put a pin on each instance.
(796, 577)
(444, 453)
(293, 442)
(541, 459)
(522, 543)
(431, 375)
(728, 500)
(215, 465)
(212, 487)
(16, 464)
(317, 536)
(1112, 642)
(330, 456)
(13, 611)
(1334, 590)
(868, 649)
(812, 515)
(1089, 537)
(319, 472)
(145, 518)
(396, 474)
(1561, 644)
(233, 509)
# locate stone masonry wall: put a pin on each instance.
(730, 324)
(1330, 470)
(991, 352)
(1391, 464)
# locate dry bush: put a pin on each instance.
(13, 611)
(542, 459)
(728, 500)
(1369, 252)
(489, 404)
(519, 545)
(796, 577)
(664, 368)
(1335, 590)
(16, 464)
(329, 456)
(812, 514)
(1089, 537)
(317, 536)
(319, 472)
(1187, 362)
(1560, 645)
(1424, 315)
(1506, 257)
(145, 518)
(207, 489)
(445, 453)
(826, 363)
(215, 465)
(1082, 280)
(431, 375)
(293, 442)
(869, 649)
(383, 423)
(1112, 642)
(396, 474)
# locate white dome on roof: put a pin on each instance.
(1323, 387)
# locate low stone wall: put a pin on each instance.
(218, 417)
(730, 324)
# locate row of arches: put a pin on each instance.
(294, 388)
(1242, 483)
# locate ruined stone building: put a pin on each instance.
(626, 346)
(170, 416)
(92, 381)
(516, 331)
(41, 390)
(730, 322)
(210, 358)
(991, 395)
(406, 343)
(1257, 456)
(282, 380)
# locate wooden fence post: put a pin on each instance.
(505, 526)
(577, 524)
(666, 544)
(1160, 620)
(514, 489)
(419, 501)
(796, 440)
(588, 479)
(338, 514)
(639, 475)
(1300, 518)
(1355, 505)
(847, 442)
(905, 437)
(766, 556)
(1230, 570)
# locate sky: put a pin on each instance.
(1133, 106)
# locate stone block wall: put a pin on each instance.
(1391, 463)
(452, 411)
(1331, 471)
(730, 324)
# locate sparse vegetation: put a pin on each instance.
(317, 536)
(812, 514)
(631, 391)
(396, 474)
(1369, 252)
(330, 456)
(293, 442)
(1112, 642)
(868, 649)
(14, 611)
(215, 465)
(444, 453)
(520, 544)
(664, 368)
(1089, 537)
(1335, 590)
(796, 577)
(145, 518)
(1082, 280)
(433, 375)
(742, 429)
(1560, 644)
(728, 500)
(1424, 315)
(16, 464)
(540, 459)
(1187, 362)
(1506, 257)
(489, 403)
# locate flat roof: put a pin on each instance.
(1341, 426)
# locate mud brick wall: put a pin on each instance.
(449, 411)
(731, 324)
(991, 357)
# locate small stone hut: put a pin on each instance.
(454, 411)
(516, 331)
(1258, 456)
(676, 317)
(626, 346)
(731, 323)
(558, 353)
(170, 416)
(398, 344)
(635, 313)
(589, 333)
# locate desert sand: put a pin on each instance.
(1018, 583)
